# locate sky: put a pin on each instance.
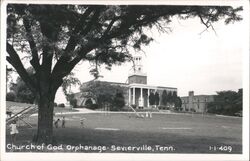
(187, 58)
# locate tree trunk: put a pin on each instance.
(45, 115)
(45, 120)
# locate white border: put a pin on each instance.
(128, 156)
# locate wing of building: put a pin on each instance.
(196, 103)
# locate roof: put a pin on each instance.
(202, 95)
(135, 85)
(106, 82)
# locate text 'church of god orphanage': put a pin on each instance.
(137, 90)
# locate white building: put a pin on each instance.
(137, 90)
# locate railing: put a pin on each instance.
(22, 114)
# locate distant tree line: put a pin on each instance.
(226, 103)
(167, 99)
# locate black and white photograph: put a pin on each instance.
(125, 80)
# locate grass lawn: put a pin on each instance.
(174, 133)
(17, 106)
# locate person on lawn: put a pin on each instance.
(63, 122)
(56, 123)
(13, 131)
(82, 122)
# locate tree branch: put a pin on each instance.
(35, 60)
(64, 66)
(15, 61)
(73, 39)
(91, 22)
(110, 25)
(203, 22)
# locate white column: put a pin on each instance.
(148, 96)
(134, 95)
(129, 96)
(141, 98)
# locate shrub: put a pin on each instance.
(162, 107)
(133, 106)
(10, 96)
(192, 110)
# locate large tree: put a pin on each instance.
(157, 98)
(226, 103)
(55, 38)
(151, 98)
(164, 99)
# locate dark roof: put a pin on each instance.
(198, 96)
(126, 84)
(106, 82)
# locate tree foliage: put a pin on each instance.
(105, 94)
(164, 99)
(21, 90)
(226, 103)
(151, 98)
(171, 98)
(157, 98)
(68, 34)
(118, 102)
(68, 81)
(10, 96)
(177, 103)
(55, 38)
(8, 73)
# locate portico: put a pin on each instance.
(138, 94)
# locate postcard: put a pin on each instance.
(125, 80)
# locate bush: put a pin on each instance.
(55, 104)
(192, 110)
(178, 108)
(133, 106)
(10, 96)
(162, 107)
(61, 105)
